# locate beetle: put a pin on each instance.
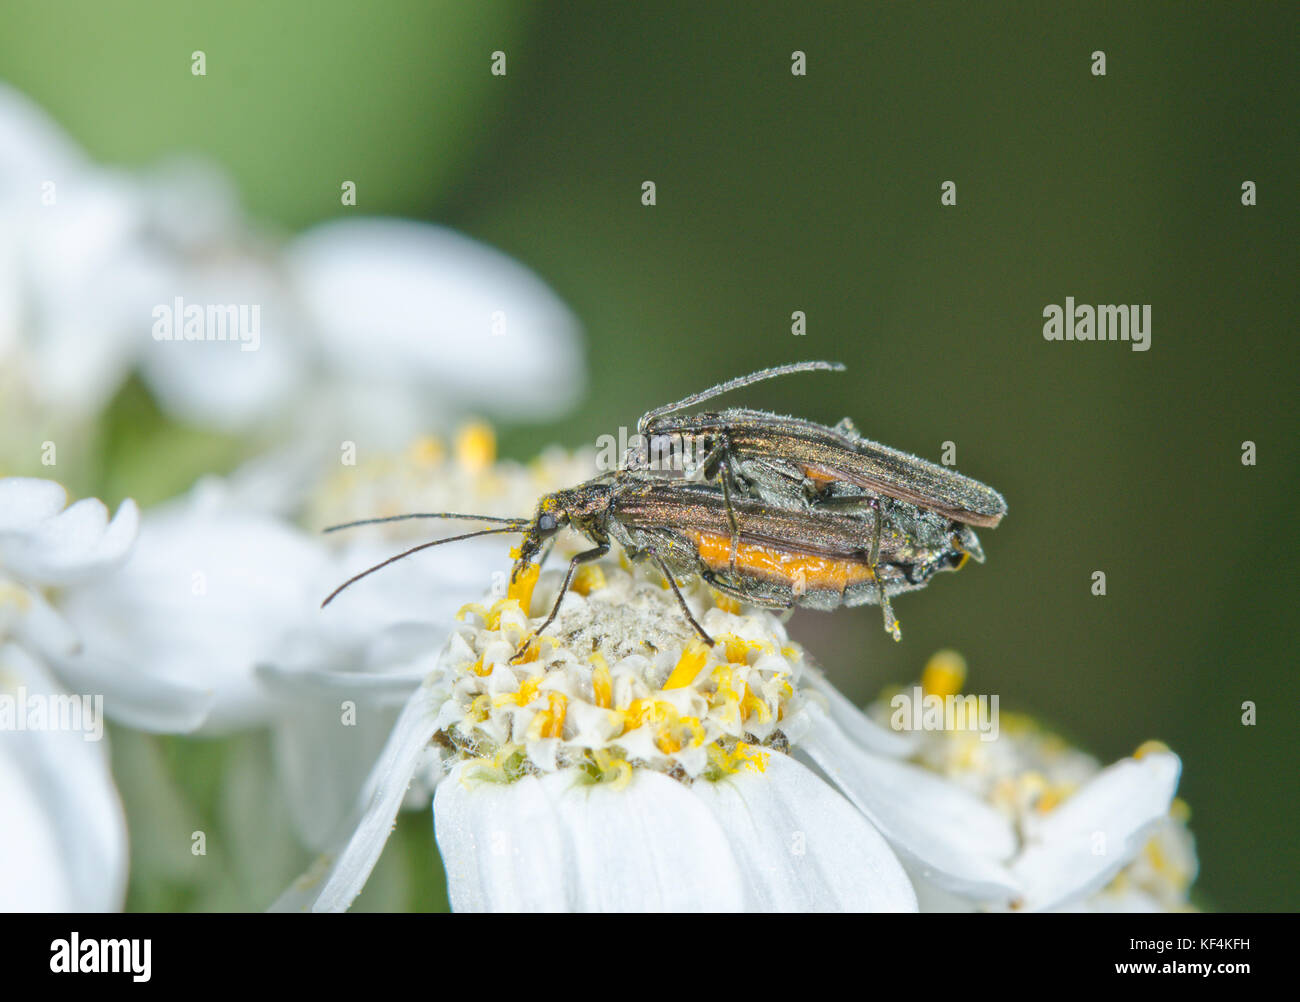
(589, 508)
(788, 458)
(769, 555)
(778, 556)
(794, 463)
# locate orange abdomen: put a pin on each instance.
(802, 572)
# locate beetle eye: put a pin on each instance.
(546, 523)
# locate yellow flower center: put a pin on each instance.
(944, 674)
(655, 700)
(476, 446)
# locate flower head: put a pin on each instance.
(615, 685)
(1089, 838)
(619, 764)
(63, 838)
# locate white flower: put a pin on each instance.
(214, 623)
(73, 267)
(206, 594)
(335, 705)
(367, 330)
(415, 320)
(63, 837)
(1158, 878)
(340, 686)
(1077, 848)
(63, 840)
(1088, 838)
(621, 765)
(45, 543)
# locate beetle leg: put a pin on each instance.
(843, 502)
(720, 458)
(731, 518)
(749, 598)
(587, 555)
(886, 610)
(709, 464)
(680, 600)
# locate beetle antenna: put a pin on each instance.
(436, 514)
(738, 382)
(521, 527)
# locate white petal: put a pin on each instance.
(249, 374)
(430, 586)
(25, 502)
(41, 628)
(503, 845)
(948, 835)
(394, 687)
(323, 763)
(385, 666)
(559, 844)
(343, 872)
(201, 602)
(147, 702)
(90, 279)
(63, 838)
(33, 877)
(410, 305)
(801, 846)
(857, 725)
(1078, 847)
(279, 482)
(651, 846)
(46, 545)
(324, 751)
(930, 897)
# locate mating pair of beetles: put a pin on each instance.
(774, 511)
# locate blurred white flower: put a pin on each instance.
(63, 844)
(74, 267)
(214, 622)
(420, 317)
(1078, 847)
(207, 592)
(369, 330)
(623, 766)
(1158, 878)
(63, 836)
(47, 543)
(1088, 838)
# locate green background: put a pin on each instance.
(820, 193)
